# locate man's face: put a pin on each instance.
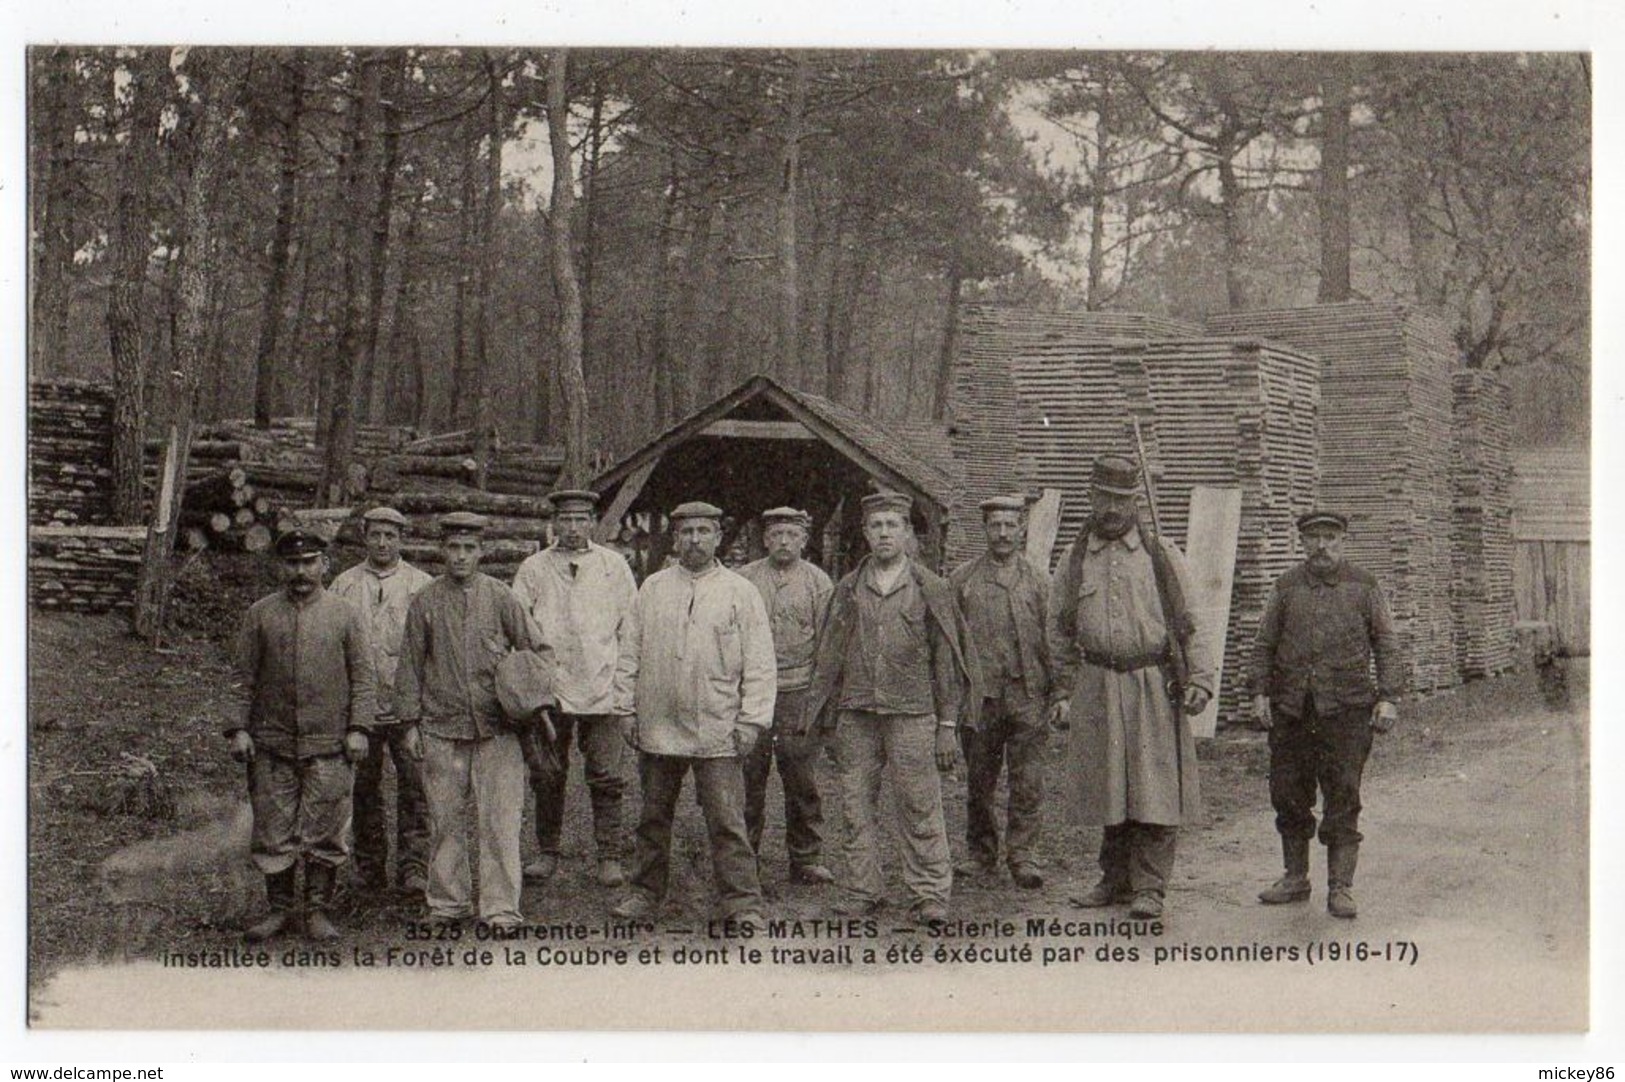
(1114, 511)
(1003, 530)
(1323, 545)
(383, 543)
(574, 528)
(697, 541)
(462, 552)
(785, 542)
(886, 532)
(304, 573)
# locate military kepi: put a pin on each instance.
(1115, 474)
(786, 514)
(1003, 503)
(1322, 518)
(887, 500)
(696, 509)
(463, 522)
(574, 499)
(299, 544)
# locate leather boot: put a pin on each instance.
(279, 894)
(1340, 864)
(1294, 885)
(319, 883)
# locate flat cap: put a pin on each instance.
(385, 514)
(1323, 518)
(574, 499)
(787, 514)
(886, 500)
(299, 544)
(1115, 474)
(696, 509)
(463, 522)
(1003, 503)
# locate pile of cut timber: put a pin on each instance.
(84, 568)
(517, 526)
(515, 469)
(1481, 525)
(1386, 439)
(70, 452)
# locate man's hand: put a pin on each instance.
(745, 737)
(412, 741)
(1383, 716)
(355, 745)
(629, 731)
(1060, 715)
(242, 746)
(1262, 715)
(1196, 699)
(947, 748)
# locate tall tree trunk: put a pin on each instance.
(131, 248)
(1333, 192)
(52, 105)
(661, 355)
(404, 384)
(1235, 241)
(789, 366)
(467, 222)
(276, 289)
(589, 223)
(393, 69)
(490, 205)
(1100, 181)
(942, 402)
(566, 288)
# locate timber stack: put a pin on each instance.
(514, 469)
(70, 452)
(1483, 605)
(84, 568)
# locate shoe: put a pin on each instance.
(610, 873)
(857, 907)
(815, 875)
(633, 907)
(748, 919)
(1027, 877)
(976, 869)
(1340, 903)
(1147, 906)
(279, 893)
(415, 884)
(1341, 861)
(930, 912)
(1288, 888)
(320, 880)
(1102, 894)
(543, 868)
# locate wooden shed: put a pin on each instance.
(1551, 530)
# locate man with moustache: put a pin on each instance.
(307, 667)
(380, 588)
(1313, 692)
(895, 678)
(695, 683)
(1117, 604)
(1005, 600)
(579, 594)
(796, 593)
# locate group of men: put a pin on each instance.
(722, 674)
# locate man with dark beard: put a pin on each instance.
(1118, 606)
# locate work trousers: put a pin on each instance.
(720, 786)
(492, 771)
(1324, 750)
(411, 813)
(797, 757)
(599, 738)
(301, 808)
(1013, 730)
(902, 748)
(1138, 857)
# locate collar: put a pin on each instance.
(1130, 540)
(385, 572)
(569, 554)
(1331, 578)
(869, 568)
(306, 601)
(710, 569)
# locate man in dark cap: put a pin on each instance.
(1119, 603)
(895, 678)
(380, 588)
(458, 628)
(1312, 690)
(695, 683)
(306, 665)
(579, 593)
(796, 593)
(1005, 600)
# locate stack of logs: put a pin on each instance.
(84, 568)
(70, 452)
(513, 469)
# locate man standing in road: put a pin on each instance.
(579, 594)
(695, 683)
(1006, 603)
(380, 588)
(896, 676)
(1312, 690)
(457, 629)
(796, 593)
(306, 665)
(1119, 602)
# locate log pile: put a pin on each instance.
(70, 452)
(1483, 604)
(515, 469)
(84, 568)
(517, 525)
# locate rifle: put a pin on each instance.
(1175, 612)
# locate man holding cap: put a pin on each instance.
(579, 594)
(1312, 690)
(895, 677)
(695, 683)
(796, 594)
(380, 588)
(305, 662)
(1005, 600)
(458, 628)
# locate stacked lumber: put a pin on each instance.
(517, 469)
(1483, 603)
(1385, 449)
(70, 452)
(225, 510)
(84, 568)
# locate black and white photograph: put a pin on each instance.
(1074, 538)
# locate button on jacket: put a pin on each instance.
(1318, 637)
(579, 600)
(382, 598)
(308, 671)
(796, 601)
(1007, 607)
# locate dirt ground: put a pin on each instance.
(1476, 857)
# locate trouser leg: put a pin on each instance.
(1151, 862)
(720, 785)
(273, 795)
(984, 758)
(661, 779)
(1293, 774)
(549, 788)
(411, 810)
(498, 776)
(1344, 746)
(911, 767)
(797, 757)
(371, 839)
(1024, 752)
(598, 737)
(754, 769)
(860, 757)
(1114, 855)
(446, 779)
(325, 783)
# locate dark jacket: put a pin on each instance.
(1029, 607)
(958, 689)
(1318, 636)
(307, 667)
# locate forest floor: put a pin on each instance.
(1476, 856)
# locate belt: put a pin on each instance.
(1132, 663)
